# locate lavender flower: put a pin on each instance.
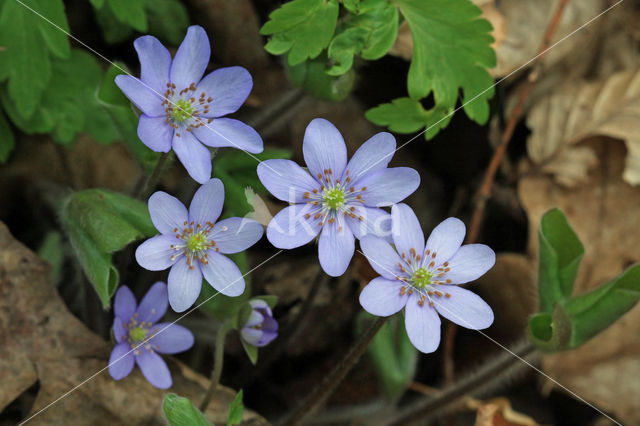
(337, 200)
(192, 244)
(261, 328)
(140, 337)
(423, 279)
(182, 110)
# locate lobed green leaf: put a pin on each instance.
(179, 411)
(406, 115)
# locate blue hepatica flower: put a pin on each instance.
(261, 328)
(423, 279)
(182, 110)
(193, 245)
(141, 337)
(338, 200)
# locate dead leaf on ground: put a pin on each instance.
(498, 412)
(604, 213)
(526, 22)
(43, 342)
(578, 110)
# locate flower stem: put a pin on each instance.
(142, 192)
(218, 361)
(322, 392)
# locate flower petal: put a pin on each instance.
(464, 307)
(382, 257)
(155, 253)
(223, 275)
(388, 186)
(286, 180)
(446, 239)
(195, 157)
(267, 337)
(121, 361)
(251, 335)
(154, 304)
(119, 329)
(407, 233)
(382, 297)
(335, 247)
(155, 133)
(324, 149)
(236, 234)
(155, 61)
(206, 204)
(171, 338)
(223, 132)
(141, 95)
(375, 154)
(184, 285)
(229, 88)
(167, 212)
(374, 222)
(255, 318)
(422, 324)
(469, 263)
(191, 58)
(154, 369)
(124, 305)
(290, 228)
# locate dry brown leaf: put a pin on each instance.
(43, 342)
(526, 22)
(604, 213)
(498, 412)
(578, 110)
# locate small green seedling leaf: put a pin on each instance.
(235, 410)
(179, 411)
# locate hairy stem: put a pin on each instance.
(218, 361)
(143, 191)
(322, 392)
(485, 377)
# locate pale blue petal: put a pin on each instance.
(155, 61)
(382, 257)
(236, 234)
(154, 304)
(194, 156)
(336, 246)
(141, 95)
(121, 361)
(407, 233)
(388, 186)
(228, 88)
(370, 221)
(124, 305)
(170, 338)
(120, 331)
(445, 240)
(184, 285)
(383, 297)
(422, 324)
(223, 275)
(155, 133)
(206, 204)
(375, 154)
(469, 263)
(463, 307)
(154, 369)
(191, 58)
(324, 149)
(167, 213)
(286, 180)
(290, 228)
(227, 132)
(155, 253)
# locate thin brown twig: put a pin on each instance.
(484, 192)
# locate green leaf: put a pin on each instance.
(168, 19)
(7, 141)
(95, 264)
(243, 316)
(592, 312)
(406, 115)
(109, 92)
(251, 351)
(235, 410)
(97, 3)
(560, 253)
(313, 78)
(351, 5)
(54, 32)
(130, 12)
(394, 357)
(100, 222)
(301, 27)
(113, 30)
(25, 56)
(51, 251)
(451, 50)
(371, 33)
(179, 411)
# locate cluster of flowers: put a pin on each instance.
(334, 199)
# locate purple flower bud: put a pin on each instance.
(261, 328)
(141, 338)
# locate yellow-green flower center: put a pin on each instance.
(182, 111)
(138, 334)
(196, 243)
(334, 198)
(421, 278)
